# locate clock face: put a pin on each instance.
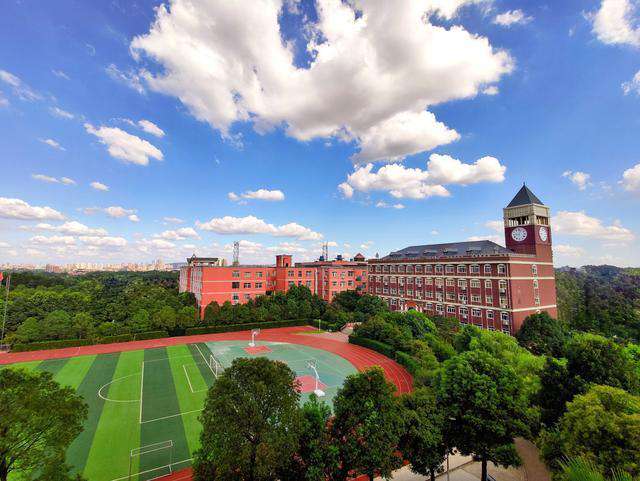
(518, 234)
(544, 234)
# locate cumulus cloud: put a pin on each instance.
(631, 179)
(20, 89)
(568, 250)
(53, 240)
(124, 146)
(633, 85)
(616, 22)
(581, 179)
(52, 143)
(63, 114)
(19, 209)
(253, 225)
(512, 17)
(114, 211)
(173, 220)
(71, 228)
(416, 183)
(151, 128)
(146, 244)
(580, 224)
(178, 234)
(260, 194)
(99, 186)
(106, 241)
(228, 63)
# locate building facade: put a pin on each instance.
(210, 280)
(478, 282)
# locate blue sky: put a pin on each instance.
(368, 125)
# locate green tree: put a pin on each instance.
(315, 458)
(579, 469)
(556, 390)
(542, 334)
(166, 318)
(29, 331)
(367, 425)
(58, 325)
(83, 326)
(38, 421)
(485, 407)
(250, 422)
(423, 443)
(601, 426)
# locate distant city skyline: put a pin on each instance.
(161, 130)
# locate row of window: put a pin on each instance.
(440, 282)
(438, 296)
(437, 268)
(462, 312)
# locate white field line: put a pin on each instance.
(319, 361)
(171, 416)
(169, 357)
(186, 373)
(205, 361)
(133, 475)
(118, 400)
(141, 389)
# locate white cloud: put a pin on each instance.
(491, 90)
(495, 225)
(159, 244)
(178, 234)
(52, 143)
(581, 179)
(366, 245)
(512, 17)
(19, 209)
(72, 228)
(616, 22)
(151, 128)
(435, 232)
(375, 69)
(580, 224)
(383, 205)
(133, 218)
(260, 194)
(415, 183)
(568, 250)
(124, 146)
(60, 74)
(173, 220)
(253, 225)
(53, 240)
(20, 89)
(99, 186)
(493, 238)
(633, 85)
(115, 211)
(631, 179)
(53, 180)
(63, 114)
(130, 78)
(104, 241)
(3, 101)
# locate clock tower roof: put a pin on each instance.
(524, 197)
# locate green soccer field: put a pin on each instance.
(144, 405)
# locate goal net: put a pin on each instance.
(215, 365)
(153, 461)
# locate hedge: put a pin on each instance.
(243, 327)
(145, 336)
(113, 339)
(403, 358)
(38, 346)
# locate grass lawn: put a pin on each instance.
(144, 405)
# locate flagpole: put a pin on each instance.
(6, 305)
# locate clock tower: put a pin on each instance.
(526, 225)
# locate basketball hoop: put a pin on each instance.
(254, 334)
(317, 391)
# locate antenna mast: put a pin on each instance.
(236, 253)
(325, 251)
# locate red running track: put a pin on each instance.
(360, 357)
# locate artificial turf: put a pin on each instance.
(153, 397)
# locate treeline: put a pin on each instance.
(576, 394)
(600, 299)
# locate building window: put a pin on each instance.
(462, 269)
(259, 275)
(409, 269)
(504, 317)
(489, 300)
(438, 269)
(419, 269)
(235, 285)
(475, 283)
(451, 310)
(247, 275)
(439, 282)
(462, 298)
(429, 281)
(289, 273)
(537, 300)
(535, 283)
(476, 299)
(428, 268)
(247, 285)
(449, 269)
(235, 274)
(474, 269)
(490, 315)
(393, 268)
(235, 297)
(451, 282)
(502, 269)
(451, 296)
(476, 313)
(502, 285)
(487, 268)
(487, 284)
(247, 297)
(291, 283)
(534, 270)
(258, 285)
(462, 283)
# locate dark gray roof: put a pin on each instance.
(524, 197)
(453, 249)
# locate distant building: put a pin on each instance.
(210, 280)
(479, 282)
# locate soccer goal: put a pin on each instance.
(159, 455)
(254, 334)
(215, 365)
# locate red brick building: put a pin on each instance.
(479, 282)
(210, 280)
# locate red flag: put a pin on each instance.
(1, 277)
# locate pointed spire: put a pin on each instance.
(524, 197)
